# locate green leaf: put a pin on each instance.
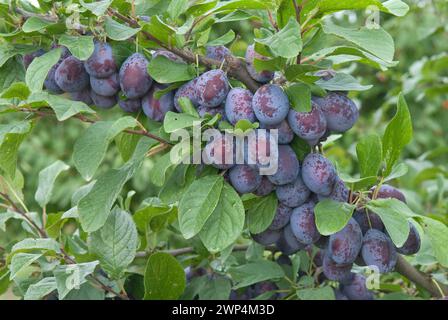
(376, 41)
(332, 216)
(175, 121)
(285, 11)
(176, 8)
(16, 90)
(11, 72)
(47, 177)
(242, 4)
(7, 51)
(115, 243)
(342, 82)
(98, 8)
(370, 155)
(11, 137)
(226, 222)
(393, 214)
(358, 183)
(223, 40)
(438, 236)
(39, 68)
(300, 97)
(395, 7)
(71, 276)
(398, 134)
(164, 277)
(397, 171)
(323, 293)
(198, 204)
(215, 289)
(62, 107)
(40, 289)
(150, 209)
(286, 43)
(261, 213)
(80, 46)
(90, 149)
(158, 173)
(163, 70)
(117, 31)
(161, 31)
(20, 262)
(254, 272)
(36, 244)
(181, 178)
(5, 216)
(35, 24)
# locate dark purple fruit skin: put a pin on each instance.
(308, 125)
(82, 96)
(372, 221)
(288, 243)
(101, 64)
(341, 273)
(340, 112)
(378, 250)
(319, 174)
(217, 52)
(102, 101)
(202, 111)
(288, 166)
(71, 75)
(239, 106)
(257, 149)
(105, 86)
(281, 218)
(413, 242)
(293, 194)
(219, 153)
(130, 105)
(265, 187)
(156, 109)
(285, 133)
(134, 78)
(263, 76)
(303, 224)
(267, 237)
(270, 104)
(322, 243)
(50, 82)
(28, 58)
(187, 90)
(388, 192)
(345, 245)
(168, 54)
(212, 88)
(244, 179)
(340, 192)
(339, 295)
(356, 289)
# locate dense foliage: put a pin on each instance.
(96, 97)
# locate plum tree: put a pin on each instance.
(83, 96)
(262, 76)
(285, 133)
(270, 104)
(267, 237)
(103, 102)
(336, 272)
(288, 243)
(134, 78)
(187, 90)
(288, 166)
(265, 187)
(105, 86)
(368, 220)
(281, 218)
(101, 64)
(238, 106)
(413, 242)
(345, 245)
(71, 75)
(212, 88)
(356, 289)
(244, 178)
(154, 108)
(217, 52)
(130, 105)
(309, 126)
(293, 194)
(319, 174)
(303, 224)
(340, 192)
(340, 112)
(378, 250)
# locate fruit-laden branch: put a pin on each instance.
(235, 67)
(403, 267)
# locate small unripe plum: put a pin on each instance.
(262, 76)
(71, 75)
(309, 126)
(239, 106)
(345, 245)
(103, 102)
(319, 174)
(303, 224)
(106, 86)
(101, 64)
(340, 112)
(281, 218)
(270, 104)
(378, 250)
(244, 178)
(212, 88)
(156, 109)
(293, 194)
(130, 105)
(134, 78)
